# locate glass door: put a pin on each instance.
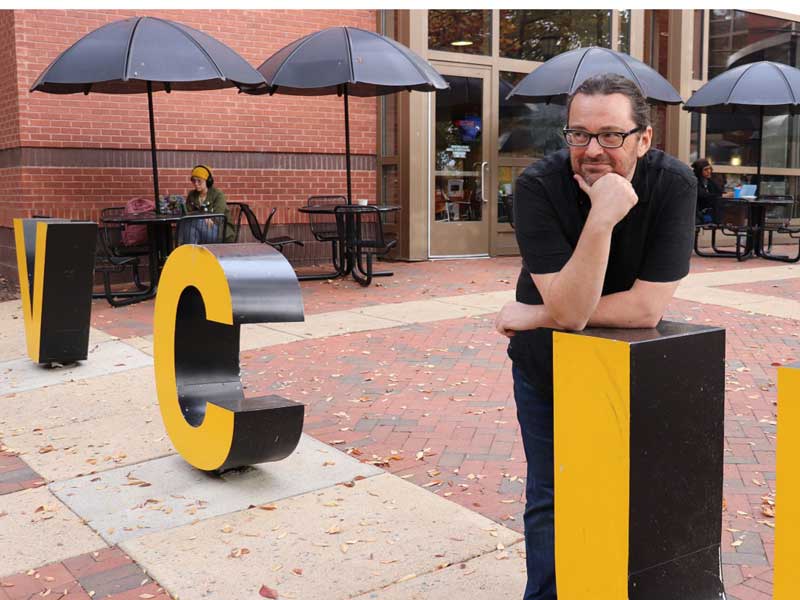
(460, 186)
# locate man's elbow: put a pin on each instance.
(651, 317)
(571, 322)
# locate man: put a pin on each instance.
(605, 231)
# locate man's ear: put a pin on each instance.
(645, 139)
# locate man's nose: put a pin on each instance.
(594, 148)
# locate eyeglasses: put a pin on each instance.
(606, 139)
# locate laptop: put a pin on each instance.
(748, 191)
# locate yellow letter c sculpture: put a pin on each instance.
(204, 295)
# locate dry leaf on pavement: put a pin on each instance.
(268, 592)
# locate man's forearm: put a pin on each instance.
(576, 290)
(623, 309)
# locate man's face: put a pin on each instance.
(599, 113)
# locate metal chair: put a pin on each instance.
(731, 220)
(323, 226)
(200, 228)
(235, 219)
(113, 246)
(778, 219)
(261, 234)
(362, 227)
(107, 262)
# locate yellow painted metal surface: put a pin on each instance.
(591, 437)
(787, 513)
(31, 303)
(207, 445)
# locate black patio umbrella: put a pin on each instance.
(346, 61)
(560, 76)
(146, 54)
(761, 84)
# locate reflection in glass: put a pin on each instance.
(737, 37)
(732, 137)
(388, 104)
(694, 138)
(624, 39)
(541, 34)
(390, 185)
(507, 180)
(464, 31)
(528, 129)
(697, 47)
(459, 150)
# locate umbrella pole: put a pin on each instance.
(760, 147)
(153, 158)
(347, 145)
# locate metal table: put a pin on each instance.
(159, 236)
(347, 260)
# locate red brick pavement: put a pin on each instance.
(433, 402)
(108, 573)
(15, 474)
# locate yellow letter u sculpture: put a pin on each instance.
(205, 294)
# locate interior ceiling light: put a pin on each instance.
(461, 43)
(736, 161)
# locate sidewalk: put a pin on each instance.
(410, 478)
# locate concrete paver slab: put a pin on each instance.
(170, 492)
(37, 529)
(143, 343)
(66, 430)
(420, 311)
(334, 544)
(499, 574)
(260, 336)
(757, 303)
(102, 444)
(489, 301)
(107, 357)
(733, 276)
(337, 323)
(12, 332)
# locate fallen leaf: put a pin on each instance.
(268, 592)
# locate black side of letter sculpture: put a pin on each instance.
(638, 420)
(204, 295)
(55, 263)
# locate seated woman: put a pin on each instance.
(206, 198)
(708, 191)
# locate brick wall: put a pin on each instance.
(9, 107)
(187, 123)
(215, 120)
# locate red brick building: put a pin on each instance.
(71, 155)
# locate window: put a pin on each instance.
(737, 37)
(528, 129)
(694, 138)
(464, 31)
(541, 34)
(697, 46)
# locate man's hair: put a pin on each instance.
(611, 83)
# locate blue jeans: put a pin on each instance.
(535, 415)
(199, 231)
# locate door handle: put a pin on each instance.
(484, 164)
